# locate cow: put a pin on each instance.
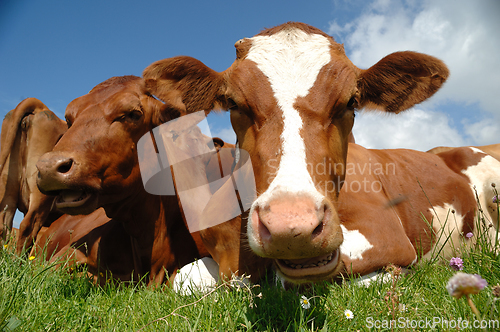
(102, 243)
(479, 166)
(292, 95)
(492, 149)
(395, 207)
(28, 131)
(96, 164)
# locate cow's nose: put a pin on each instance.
(293, 227)
(52, 171)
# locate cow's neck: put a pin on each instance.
(193, 190)
(145, 217)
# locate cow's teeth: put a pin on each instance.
(325, 261)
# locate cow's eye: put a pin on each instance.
(68, 122)
(134, 115)
(231, 105)
(352, 103)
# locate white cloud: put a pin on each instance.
(414, 129)
(464, 34)
(220, 126)
(486, 131)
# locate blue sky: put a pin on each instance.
(58, 50)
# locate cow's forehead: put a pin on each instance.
(107, 101)
(291, 59)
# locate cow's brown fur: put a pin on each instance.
(98, 156)
(28, 131)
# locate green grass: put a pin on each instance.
(36, 296)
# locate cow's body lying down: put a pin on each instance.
(395, 207)
(292, 93)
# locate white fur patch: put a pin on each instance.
(355, 243)
(199, 276)
(448, 226)
(481, 176)
(370, 278)
(292, 60)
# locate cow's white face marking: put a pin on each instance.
(355, 243)
(291, 59)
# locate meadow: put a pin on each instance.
(37, 296)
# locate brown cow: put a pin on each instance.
(292, 93)
(101, 243)
(28, 131)
(95, 164)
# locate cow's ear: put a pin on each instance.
(198, 85)
(401, 80)
(172, 108)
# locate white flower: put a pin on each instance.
(348, 314)
(304, 302)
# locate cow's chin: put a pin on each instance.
(76, 202)
(311, 269)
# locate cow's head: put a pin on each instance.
(292, 93)
(95, 163)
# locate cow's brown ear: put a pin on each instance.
(401, 80)
(172, 108)
(199, 86)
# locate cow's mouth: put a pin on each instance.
(75, 201)
(309, 269)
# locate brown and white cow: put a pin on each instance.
(480, 167)
(292, 93)
(492, 149)
(395, 207)
(95, 164)
(28, 131)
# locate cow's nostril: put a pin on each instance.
(317, 231)
(65, 166)
(264, 232)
